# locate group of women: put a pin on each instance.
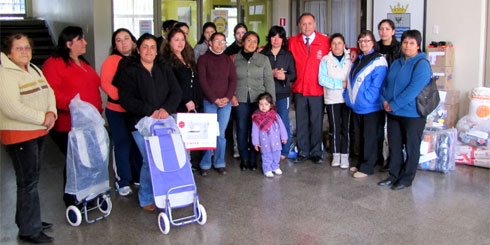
(141, 80)
(382, 82)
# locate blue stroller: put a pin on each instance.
(171, 176)
(86, 163)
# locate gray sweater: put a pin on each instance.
(254, 77)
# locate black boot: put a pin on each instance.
(253, 166)
(243, 165)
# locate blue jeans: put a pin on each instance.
(145, 193)
(26, 158)
(124, 149)
(223, 118)
(244, 113)
(283, 111)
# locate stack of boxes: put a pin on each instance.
(441, 59)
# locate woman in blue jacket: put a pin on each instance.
(362, 96)
(407, 76)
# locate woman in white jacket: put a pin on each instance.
(334, 69)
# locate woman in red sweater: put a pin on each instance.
(127, 159)
(69, 74)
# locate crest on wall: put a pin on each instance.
(401, 18)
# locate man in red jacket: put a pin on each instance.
(308, 48)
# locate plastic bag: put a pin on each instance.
(84, 114)
(144, 125)
(437, 150)
(87, 153)
(472, 131)
(480, 104)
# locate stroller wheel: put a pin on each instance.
(104, 204)
(203, 215)
(163, 223)
(73, 215)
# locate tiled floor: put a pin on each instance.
(309, 204)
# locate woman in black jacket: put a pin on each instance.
(180, 57)
(284, 72)
(391, 49)
(148, 87)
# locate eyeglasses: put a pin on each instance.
(217, 41)
(20, 49)
(364, 41)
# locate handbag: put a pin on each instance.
(428, 99)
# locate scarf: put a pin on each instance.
(264, 119)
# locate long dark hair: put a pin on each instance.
(67, 35)
(204, 27)
(275, 30)
(247, 34)
(113, 43)
(187, 53)
(392, 25)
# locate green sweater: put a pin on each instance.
(254, 77)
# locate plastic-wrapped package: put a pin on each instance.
(480, 104)
(437, 149)
(473, 132)
(471, 155)
(88, 152)
(144, 125)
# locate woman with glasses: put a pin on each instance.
(27, 114)
(362, 96)
(217, 77)
(254, 74)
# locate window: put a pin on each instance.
(134, 15)
(12, 7)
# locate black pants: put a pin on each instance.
(26, 158)
(404, 131)
(309, 125)
(61, 140)
(368, 136)
(338, 127)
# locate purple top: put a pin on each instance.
(270, 140)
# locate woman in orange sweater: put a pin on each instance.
(127, 160)
(27, 113)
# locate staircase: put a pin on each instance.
(36, 30)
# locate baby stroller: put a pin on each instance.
(86, 163)
(171, 176)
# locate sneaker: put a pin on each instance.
(353, 169)
(124, 191)
(336, 160)
(277, 171)
(344, 161)
(269, 174)
(359, 175)
(136, 183)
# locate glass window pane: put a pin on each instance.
(12, 7)
(134, 15)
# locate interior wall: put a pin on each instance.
(282, 9)
(464, 24)
(62, 13)
(487, 69)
